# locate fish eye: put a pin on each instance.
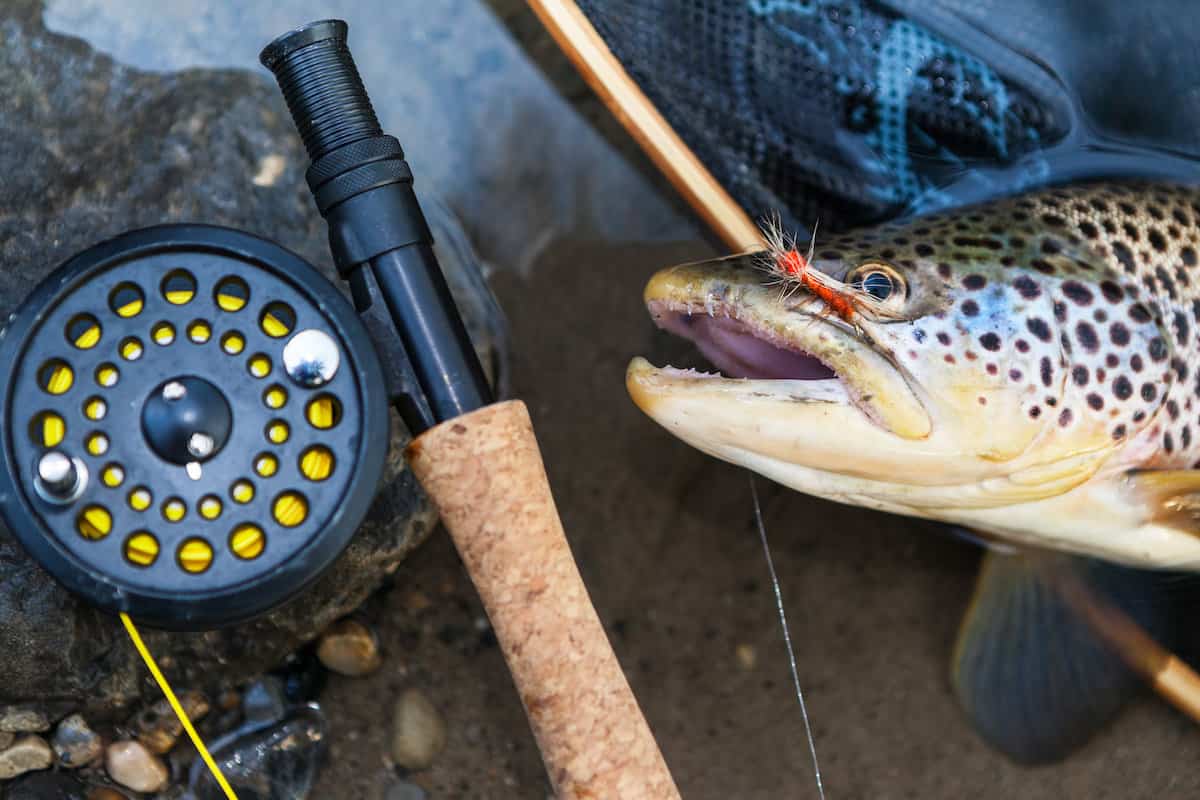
(879, 281)
(878, 285)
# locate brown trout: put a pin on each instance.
(1028, 369)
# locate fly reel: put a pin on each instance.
(194, 425)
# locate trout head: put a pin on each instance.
(1001, 379)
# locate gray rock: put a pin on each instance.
(267, 762)
(6, 738)
(76, 744)
(90, 148)
(27, 754)
(418, 731)
(130, 764)
(23, 720)
(48, 786)
(349, 648)
(264, 701)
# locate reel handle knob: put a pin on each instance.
(484, 472)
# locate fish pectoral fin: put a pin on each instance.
(1040, 664)
(1171, 495)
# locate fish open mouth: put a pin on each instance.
(768, 352)
(737, 350)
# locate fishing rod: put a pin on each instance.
(196, 422)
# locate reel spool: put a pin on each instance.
(194, 425)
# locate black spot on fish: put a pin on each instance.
(1173, 409)
(1035, 412)
(924, 250)
(1125, 256)
(1111, 291)
(1188, 254)
(1087, 337)
(919, 335)
(1015, 374)
(1095, 401)
(1111, 360)
(1158, 349)
(1064, 418)
(1038, 327)
(1135, 362)
(943, 337)
(1060, 311)
(1047, 371)
(1139, 313)
(944, 270)
(990, 341)
(1168, 442)
(1042, 266)
(1149, 392)
(1051, 246)
(1155, 211)
(1122, 388)
(1077, 293)
(970, 308)
(1181, 368)
(1131, 231)
(974, 282)
(1100, 316)
(1118, 432)
(1157, 240)
(1088, 229)
(1099, 204)
(1054, 220)
(1180, 323)
(1165, 280)
(1119, 334)
(1079, 374)
(1186, 437)
(1027, 287)
(1179, 216)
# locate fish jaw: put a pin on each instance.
(719, 293)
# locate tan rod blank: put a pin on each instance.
(608, 79)
(484, 472)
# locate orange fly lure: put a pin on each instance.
(794, 270)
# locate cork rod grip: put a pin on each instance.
(484, 472)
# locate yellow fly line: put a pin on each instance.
(169, 693)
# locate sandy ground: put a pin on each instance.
(665, 539)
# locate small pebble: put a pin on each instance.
(229, 700)
(105, 793)
(349, 648)
(403, 790)
(159, 728)
(25, 755)
(23, 720)
(747, 656)
(132, 765)
(264, 700)
(76, 744)
(418, 731)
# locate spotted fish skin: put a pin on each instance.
(1087, 296)
(1038, 363)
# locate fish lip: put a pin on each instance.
(723, 299)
